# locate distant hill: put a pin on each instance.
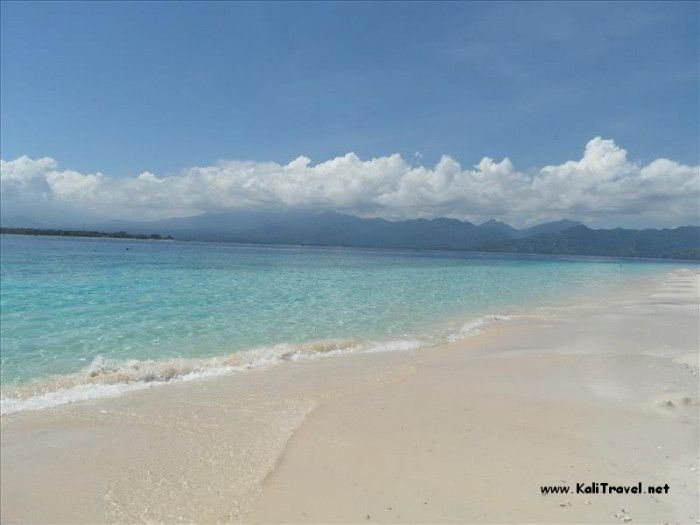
(331, 228)
(677, 243)
(563, 237)
(19, 221)
(547, 227)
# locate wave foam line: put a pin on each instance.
(475, 326)
(110, 378)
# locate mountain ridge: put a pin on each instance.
(329, 228)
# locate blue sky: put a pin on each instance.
(123, 88)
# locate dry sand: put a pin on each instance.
(468, 432)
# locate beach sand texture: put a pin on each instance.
(605, 391)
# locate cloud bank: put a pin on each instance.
(602, 188)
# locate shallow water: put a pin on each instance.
(77, 311)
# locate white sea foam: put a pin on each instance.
(474, 326)
(109, 378)
(65, 396)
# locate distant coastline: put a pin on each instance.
(329, 229)
(85, 233)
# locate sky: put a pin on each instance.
(522, 111)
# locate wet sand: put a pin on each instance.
(467, 432)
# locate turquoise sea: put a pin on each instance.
(81, 317)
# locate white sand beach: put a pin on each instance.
(605, 391)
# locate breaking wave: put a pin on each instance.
(109, 378)
(474, 326)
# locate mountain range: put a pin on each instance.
(331, 228)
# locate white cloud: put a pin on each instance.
(603, 187)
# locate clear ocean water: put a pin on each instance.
(78, 311)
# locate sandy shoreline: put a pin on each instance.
(467, 432)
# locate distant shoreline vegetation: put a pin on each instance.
(84, 233)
